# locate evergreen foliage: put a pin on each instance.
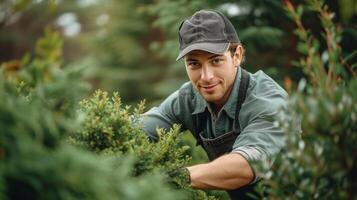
(37, 114)
(109, 128)
(42, 81)
(319, 163)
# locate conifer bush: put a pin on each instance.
(37, 114)
(109, 128)
(319, 163)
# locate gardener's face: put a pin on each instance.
(213, 75)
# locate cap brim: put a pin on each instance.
(216, 48)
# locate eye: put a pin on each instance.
(193, 65)
(216, 61)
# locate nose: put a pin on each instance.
(206, 73)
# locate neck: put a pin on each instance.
(218, 105)
(216, 108)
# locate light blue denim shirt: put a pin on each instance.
(260, 139)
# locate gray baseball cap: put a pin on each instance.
(206, 30)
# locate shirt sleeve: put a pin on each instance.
(163, 116)
(262, 139)
(259, 143)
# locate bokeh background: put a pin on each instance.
(130, 46)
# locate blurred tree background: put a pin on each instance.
(133, 44)
(130, 46)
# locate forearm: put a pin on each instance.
(227, 172)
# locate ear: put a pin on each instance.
(238, 55)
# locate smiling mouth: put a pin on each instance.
(209, 88)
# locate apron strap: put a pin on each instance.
(198, 127)
(243, 88)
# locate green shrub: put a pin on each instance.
(109, 128)
(37, 114)
(319, 163)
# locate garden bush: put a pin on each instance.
(110, 128)
(37, 115)
(319, 163)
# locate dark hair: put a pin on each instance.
(232, 48)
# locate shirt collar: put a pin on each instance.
(199, 102)
(229, 107)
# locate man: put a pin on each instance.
(229, 110)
